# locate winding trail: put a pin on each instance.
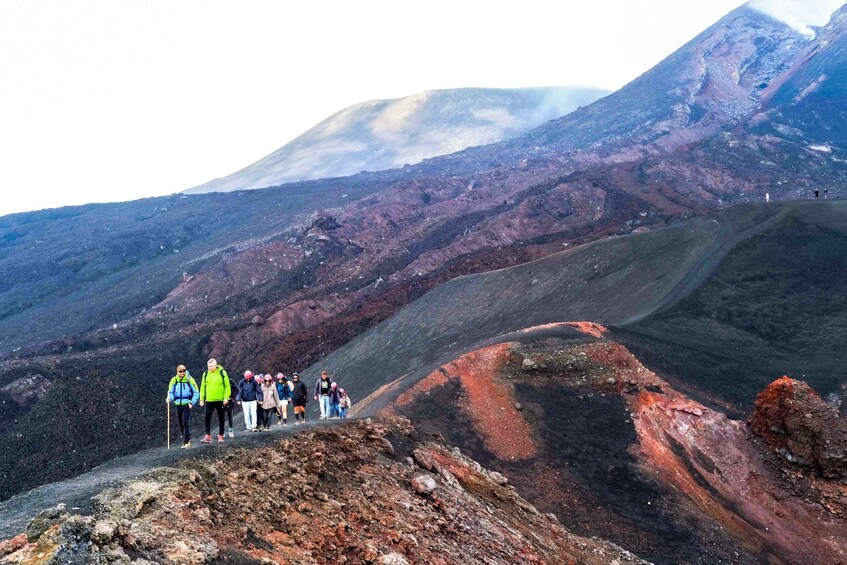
(727, 238)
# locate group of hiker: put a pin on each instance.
(260, 397)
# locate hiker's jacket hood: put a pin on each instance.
(215, 386)
(183, 390)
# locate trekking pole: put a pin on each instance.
(168, 404)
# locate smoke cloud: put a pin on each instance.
(802, 15)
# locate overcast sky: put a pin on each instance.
(107, 100)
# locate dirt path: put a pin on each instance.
(726, 239)
(76, 493)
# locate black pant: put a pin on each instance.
(212, 407)
(230, 406)
(264, 416)
(183, 413)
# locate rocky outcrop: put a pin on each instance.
(27, 389)
(802, 428)
(326, 496)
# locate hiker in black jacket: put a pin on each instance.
(299, 397)
(249, 395)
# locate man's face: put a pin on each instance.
(212, 365)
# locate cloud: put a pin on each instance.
(802, 15)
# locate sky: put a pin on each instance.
(113, 100)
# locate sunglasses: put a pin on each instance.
(181, 371)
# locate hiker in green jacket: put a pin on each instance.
(184, 394)
(214, 395)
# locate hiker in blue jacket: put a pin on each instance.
(184, 394)
(284, 387)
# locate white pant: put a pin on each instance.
(249, 408)
(324, 402)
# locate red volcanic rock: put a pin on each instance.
(801, 427)
(488, 402)
(363, 508)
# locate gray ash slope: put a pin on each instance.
(752, 289)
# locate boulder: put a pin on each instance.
(392, 559)
(802, 428)
(45, 520)
(423, 485)
(425, 460)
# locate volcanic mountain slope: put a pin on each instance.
(714, 80)
(387, 134)
(358, 493)
(279, 278)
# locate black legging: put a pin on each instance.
(212, 407)
(183, 413)
(264, 416)
(230, 406)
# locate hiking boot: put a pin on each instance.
(231, 433)
(220, 439)
(206, 439)
(186, 445)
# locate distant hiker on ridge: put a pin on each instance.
(299, 397)
(214, 394)
(184, 394)
(322, 388)
(249, 394)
